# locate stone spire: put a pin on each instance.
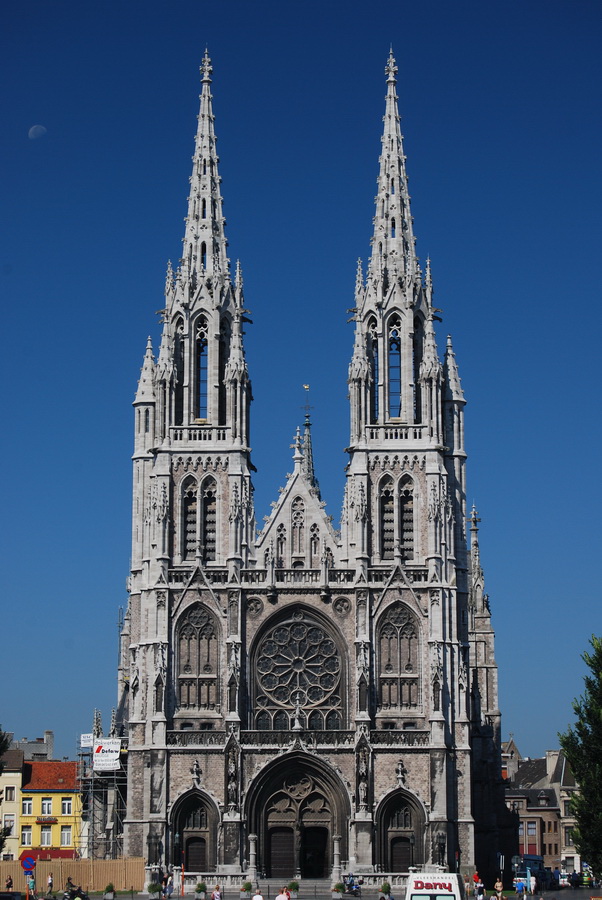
(454, 388)
(393, 251)
(308, 458)
(146, 384)
(205, 246)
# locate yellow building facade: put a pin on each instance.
(50, 818)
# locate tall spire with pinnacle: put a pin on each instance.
(393, 252)
(205, 246)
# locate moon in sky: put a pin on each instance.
(35, 132)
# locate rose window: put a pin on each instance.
(298, 669)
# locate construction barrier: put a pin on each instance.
(92, 874)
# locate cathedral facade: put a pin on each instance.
(297, 700)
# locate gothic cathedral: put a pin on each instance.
(301, 701)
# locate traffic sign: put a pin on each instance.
(28, 863)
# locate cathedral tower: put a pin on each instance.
(301, 700)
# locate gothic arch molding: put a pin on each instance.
(398, 653)
(194, 821)
(295, 806)
(197, 639)
(298, 672)
(400, 831)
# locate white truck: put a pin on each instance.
(434, 886)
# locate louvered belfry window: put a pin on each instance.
(189, 516)
(406, 499)
(209, 523)
(387, 519)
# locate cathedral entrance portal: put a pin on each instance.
(194, 824)
(297, 810)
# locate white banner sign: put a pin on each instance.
(106, 754)
(86, 740)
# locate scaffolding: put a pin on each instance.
(103, 796)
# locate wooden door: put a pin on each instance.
(282, 853)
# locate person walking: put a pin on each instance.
(498, 887)
(257, 895)
(50, 885)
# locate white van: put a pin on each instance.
(434, 886)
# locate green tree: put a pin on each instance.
(4, 745)
(582, 745)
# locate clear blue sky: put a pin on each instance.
(503, 130)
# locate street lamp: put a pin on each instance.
(412, 845)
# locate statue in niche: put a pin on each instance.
(196, 773)
(401, 772)
(232, 786)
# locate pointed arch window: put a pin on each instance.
(372, 353)
(179, 373)
(189, 519)
(158, 700)
(314, 546)
(202, 368)
(394, 373)
(209, 520)
(393, 186)
(386, 502)
(398, 670)
(224, 352)
(418, 347)
(281, 546)
(203, 255)
(406, 517)
(146, 421)
(203, 208)
(198, 659)
(298, 526)
(393, 228)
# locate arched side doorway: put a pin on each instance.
(400, 827)
(194, 823)
(295, 808)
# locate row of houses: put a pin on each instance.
(41, 807)
(538, 792)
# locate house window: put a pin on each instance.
(26, 836)
(65, 835)
(66, 806)
(45, 836)
(568, 836)
(27, 806)
(9, 794)
(531, 829)
(46, 806)
(9, 824)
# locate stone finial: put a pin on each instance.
(206, 68)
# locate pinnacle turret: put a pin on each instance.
(308, 458)
(146, 384)
(205, 246)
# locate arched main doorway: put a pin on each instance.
(400, 832)
(296, 808)
(194, 826)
